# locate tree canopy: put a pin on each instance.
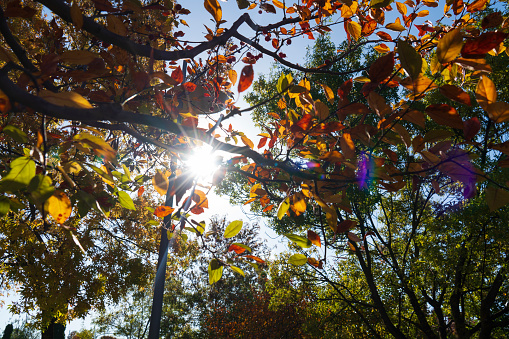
(389, 150)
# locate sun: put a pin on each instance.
(202, 162)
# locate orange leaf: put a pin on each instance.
(246, 78)
(236, 248)
(314, 238)
(255, 259)
(213, 7)
(486, 93)
(189, 86)
(483, 44)
(315, 263)
(476, 6)
(177, 75)
(347, 146)
(162, 211)
(200, 199)
(140, 191)
(498, 111)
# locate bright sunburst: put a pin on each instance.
(202, 162)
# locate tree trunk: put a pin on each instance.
(54, 331)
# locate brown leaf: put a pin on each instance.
(314, 238)
(445, 115)
(345, 226)
(455, 93)
(449, 46)
(347, 146)
(483, 44)
(471, 127)
(498, 111)
(382, 68)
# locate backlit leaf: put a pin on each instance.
(396, 26)
(125, 200)
(485, 93)
(160, 182)
(483, 44)
(445, 115)
(449, 47)
(455, 93)
(78, 57)
(283, 208)
(246, 78)
(498, 111)
(354, 29)
(238, 248)
(215, 271)
(329, 94)
(69, 99)
(98, 146)
(496, 197)
(246, 141)
(410, 60)
(41, 189)
(298, 259)
(381, 68)
(162, 211)
(21, 173)
(232, 75)
(59, 206)
(237, 270)
(314, 238)
(299, 240)
(15, 133)
(233, 228)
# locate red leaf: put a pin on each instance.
(246, 78)
(345, 226)
(482, 45)
(382, 68)
(177, 75)
(314, 238)
(455, 93)
(345, 88)
(303, 124)
(189, 86)
(236, 248)
(471, 127)
(262, 142)
(384, 36)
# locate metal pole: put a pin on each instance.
(157, 301)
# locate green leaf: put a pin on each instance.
(410, 59)
(237, 270)
(5, 205)
(125, 200)
(22, 171)
(215, 271)
(298, 240)
(233, 228)
(298, 259)
(16, 134)
(40, 188)
(243, 4)
(283, 207)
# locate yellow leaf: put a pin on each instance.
(232, 75)
(382, 48)
(213, 7)
(116, 25)
(247, 141)
(278, 4)
(401, 8)
(449, 47)
(423, 13)
(160, 182)
(76, 15)
(498, 111)
(283, 208)
(486, 93)
(59, 206)
(354, 29)
(98, 145)
(298, 203)
(78, 57)
(396, 26)
(69, 99)
(329, 94)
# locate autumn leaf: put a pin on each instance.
(213, 7)
(283, 208)
(410, 59)
(246, 141)
(498, 111)
(140, 191)
(445, 115)
(233, 229)
(59, 206)
(162, 211)
(160, 182)
(455, 93)
(232, 75)
(396, 26)
(215, 271)
(237, 248)
(449, 46)
(483, 44)
(69, 99)
(314, 238)
(246, 78)
(381, 68)
(177, 75)
(486, 93)
(354, 29)
(496, 197)
(298, 259)
(189, 87)
(76, 16)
